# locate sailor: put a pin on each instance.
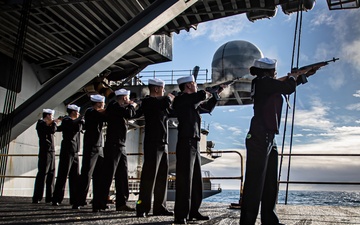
(155, 107)
(261, 151)
(115, 160)
(188, 106)
(93, 154)
(46, 128)
(71, 127)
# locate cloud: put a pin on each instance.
(318, 128)
(235, 130)
(355, 106)
(343, 140)
(332, 139)
(338, 81)
(218, 127)
(200, 31)
(357, 94)
(323, 18)
(219, 29)
(313, 118)
(228, 164)
(306, 129)
(326, 51)
(230, 110)
(346, 35)
(351, 53)
(343, 41)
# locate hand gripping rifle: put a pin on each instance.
(311, 69)
(218, 87)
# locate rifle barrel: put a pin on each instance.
(332, 60)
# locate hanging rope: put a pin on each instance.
(11, 92)
(296, 48)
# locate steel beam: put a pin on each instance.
(97, 60)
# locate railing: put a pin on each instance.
(171, 76)
(216, 186)
(134, 186)
(207, 186)
(287, 182)
(241, 177)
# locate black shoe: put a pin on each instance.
(125, 208)
(276, 224)
(75, 207)
(180, 221)
(35, 201)
(103, 209)
(55, 203)
(198, 216)
(164, 212)
(83, 204)
(141, 214)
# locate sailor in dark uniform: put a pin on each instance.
(188, 105)
(46, 128)
(69, 159)
(115, 160)
(261, 155)
(93, 154)
(155, 107)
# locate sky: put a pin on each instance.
(327, 107)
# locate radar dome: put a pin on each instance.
(233, 59)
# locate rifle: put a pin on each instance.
(218, 88)
(311, 69)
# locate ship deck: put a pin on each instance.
(20, 210)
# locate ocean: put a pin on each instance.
(329, 198)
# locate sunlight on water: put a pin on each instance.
(335, 198)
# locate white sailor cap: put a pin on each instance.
(50, 111)
(97, 98)
(265, 63)
(186, 79)
(122, 92)
(74, 107)
(156, 82)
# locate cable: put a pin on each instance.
(12, 88)
(297, 39)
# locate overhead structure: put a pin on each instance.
(343, 4)
(61, 32)
(295, 6)
(74, 46)
(98, 59)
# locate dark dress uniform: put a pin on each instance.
(262, 156)
(93, 157)
(189, 183)
(156, 164)
(115, 159)
(46, 163)
(69, 159)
